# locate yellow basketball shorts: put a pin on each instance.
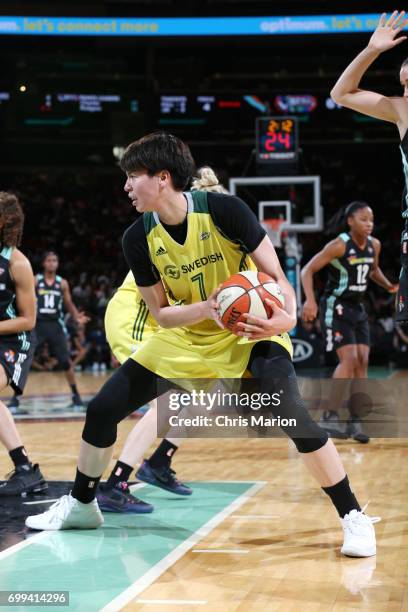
(127, 324)
(180, 353)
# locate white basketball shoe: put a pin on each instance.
(67, 513)
(359, 534)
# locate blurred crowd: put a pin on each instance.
(82, 216)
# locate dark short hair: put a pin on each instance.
(160, 151)
(12, 216)
(404, 63)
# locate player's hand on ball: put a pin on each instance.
(384, 36)
(211, 307)
(257, 329)
(309, 311)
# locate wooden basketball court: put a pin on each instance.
(257, 533)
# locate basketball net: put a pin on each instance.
(274, 230)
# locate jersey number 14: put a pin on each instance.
(49, 301)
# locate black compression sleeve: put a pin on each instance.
(137, 255)
(235, 220)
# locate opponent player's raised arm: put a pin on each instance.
(347, 92)
(22, 274)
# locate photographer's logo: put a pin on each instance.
(172, 271)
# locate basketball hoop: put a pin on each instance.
(274, 230)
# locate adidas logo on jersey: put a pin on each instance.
(161, 251)
(352, 252)
(204, 235)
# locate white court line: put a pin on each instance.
(225, 551)
(173, 602)
(31, 540)
(138, 485)
(40, 501)
(154, 572)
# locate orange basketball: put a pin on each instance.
(246, 292)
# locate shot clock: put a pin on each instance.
(276, 139)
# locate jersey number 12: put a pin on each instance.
(362, 271)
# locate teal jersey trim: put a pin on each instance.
(328, 319)
(344, 236)
(6, 252)
(11, 311)
(343, 277)
(25, 344)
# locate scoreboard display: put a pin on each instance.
(276, 139)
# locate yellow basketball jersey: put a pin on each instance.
(192, 271)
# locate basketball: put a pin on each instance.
(246, 292)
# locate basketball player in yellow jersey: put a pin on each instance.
(190, 243)
(128, 323)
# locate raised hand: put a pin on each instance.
(384, 36)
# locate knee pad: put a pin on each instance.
(277, 375)
(98, 430)
(129, 388)
(310, 445)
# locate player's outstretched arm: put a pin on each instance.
(22, 275)
(346, 91)
(333, 249)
